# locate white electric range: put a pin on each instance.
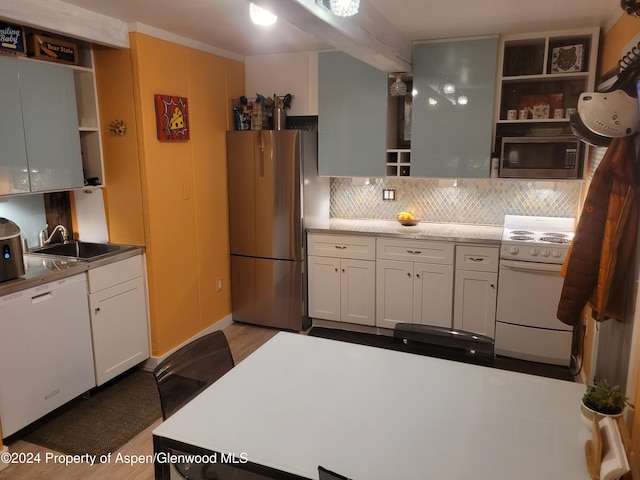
(529, 287)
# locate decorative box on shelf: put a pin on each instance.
(52, 49)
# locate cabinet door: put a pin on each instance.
(14, 171)
(433, 294)
(475, 302)
(449, 139)
(324, 288)
(352, 117)
(394, 293)
(119, 328)
(357, 291)
(47, 93)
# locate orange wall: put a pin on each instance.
(174, 196)
(615, 40)
(123, 195)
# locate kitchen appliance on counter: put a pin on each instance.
(11, 261)
(529, 287)
(274, 194)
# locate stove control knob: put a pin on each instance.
(545, 252)
(556, 254)
(513, 250)
(534, 252)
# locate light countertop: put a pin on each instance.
(450, 232)
(40, 269)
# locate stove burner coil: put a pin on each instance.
(564, 241)
(521, 232)
(557, 235)
(520, 237)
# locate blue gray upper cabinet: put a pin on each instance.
(352, 116)
(14, 169)
(39, 134)
(49, 113)
(449, 138)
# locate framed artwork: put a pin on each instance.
(567, 59)
(12, 39)
(172, 118)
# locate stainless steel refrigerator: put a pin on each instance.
(274, 194)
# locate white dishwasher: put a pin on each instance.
(46, 357)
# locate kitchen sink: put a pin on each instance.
(80, 249)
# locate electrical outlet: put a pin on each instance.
(388, 194)
(219, 285)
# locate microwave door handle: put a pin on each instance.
(552, 268)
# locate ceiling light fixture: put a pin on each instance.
(345, 8)
(260, 16)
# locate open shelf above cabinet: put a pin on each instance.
(399, 125)
(398, 162)
(540, 79)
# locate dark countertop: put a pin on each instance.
(449, 232)
(41, 269)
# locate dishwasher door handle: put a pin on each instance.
(43, 297)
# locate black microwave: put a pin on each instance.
(540, 157)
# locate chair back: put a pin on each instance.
(188, 371)
(446, 343)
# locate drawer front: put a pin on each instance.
(115, 273)
(477, 258)
(342, 246)
(416, 250)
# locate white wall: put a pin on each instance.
(294, 73)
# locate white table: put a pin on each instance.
(373, 414)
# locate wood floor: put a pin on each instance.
(243, 339)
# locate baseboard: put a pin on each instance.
(152, 362)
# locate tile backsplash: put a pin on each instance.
(479, 201)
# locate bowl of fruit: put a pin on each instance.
(407, 219)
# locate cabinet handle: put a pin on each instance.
(340, 247)
(343, 270)
(96, 310)
(408, 274)
(476, 259)
(492, 286)
(417, 275)
(336, 269)
(414, 252)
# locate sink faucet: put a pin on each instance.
(44, 240)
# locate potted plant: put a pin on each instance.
(603, 399)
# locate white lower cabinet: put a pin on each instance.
(117, 303)
(414, 282)
(476, 289)
(341, 288)
(45, 350)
